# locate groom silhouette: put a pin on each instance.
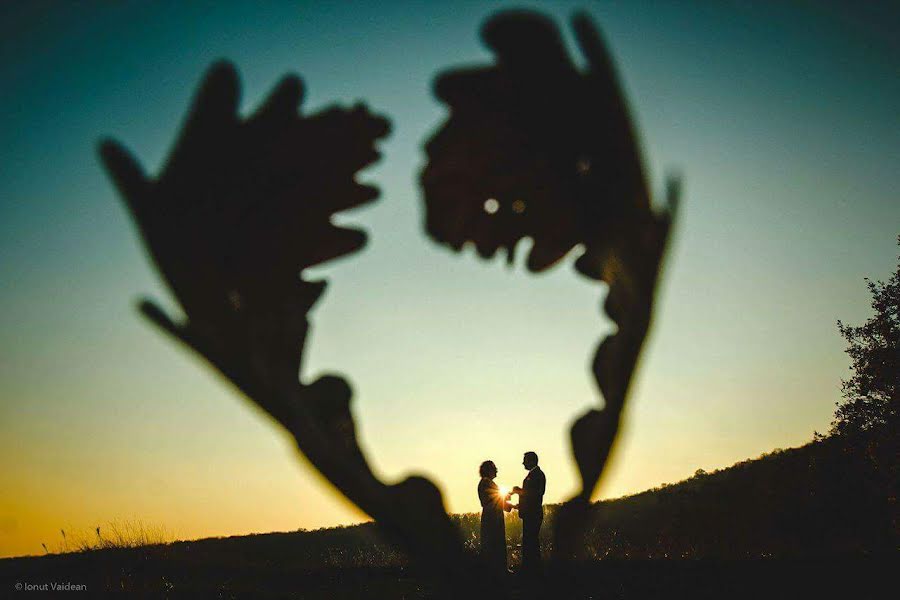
(531, 511)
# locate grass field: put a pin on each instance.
(809, 519)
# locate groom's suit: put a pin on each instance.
(531, 511)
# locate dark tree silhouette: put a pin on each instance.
(872, 394)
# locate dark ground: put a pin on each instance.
(147, 573)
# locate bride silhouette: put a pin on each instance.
(493, 528)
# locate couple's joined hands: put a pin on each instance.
(507, 505)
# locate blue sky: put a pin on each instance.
(781, 117)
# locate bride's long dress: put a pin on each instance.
(493, 528)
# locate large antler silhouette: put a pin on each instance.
(241, 207)
(534, 147)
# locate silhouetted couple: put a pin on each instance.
(530, 508)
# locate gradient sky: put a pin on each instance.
(781, 117)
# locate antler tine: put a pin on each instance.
(631, 272)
